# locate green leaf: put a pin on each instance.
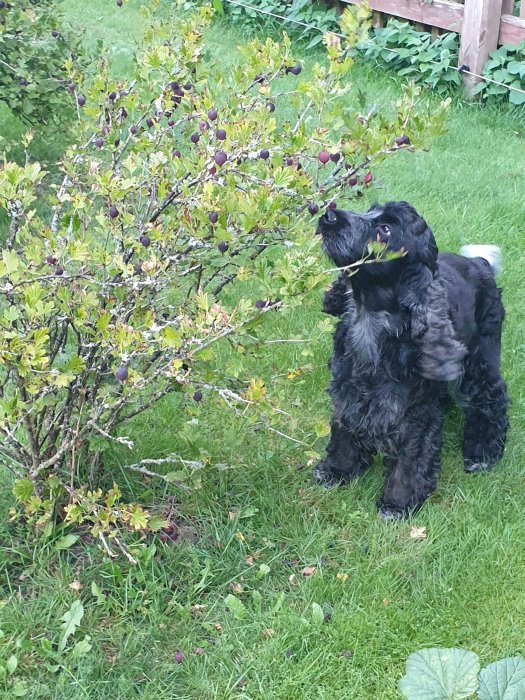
(19, 689)
(71, 621)
(264, 570)
(81, 648)
(516, 98)
(235, 606)
(503, 680)
(95, 590)
(23, 489)
(440, 674)
(317, 614)
(217, 6)
(66, 542)
(11, 664)
(248, 512)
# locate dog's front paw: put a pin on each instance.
(391, 513)
(472, 467)
(326, 476)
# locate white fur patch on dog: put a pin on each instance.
(490, 253)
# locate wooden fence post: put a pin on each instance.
(479, 36)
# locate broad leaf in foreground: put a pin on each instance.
(503, 680)
(440, 674)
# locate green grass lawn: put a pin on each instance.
(255, 527)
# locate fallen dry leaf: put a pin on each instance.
(267, 634)
(218, 627)
(76, 586)
(240, 536)
(309, 570)
(233, 514)
(386, 601)
(197, 609)
(249, 559)
(418, 533)
(292, 580)
(342, 577)
(236, 587)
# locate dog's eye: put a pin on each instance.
(384, 229)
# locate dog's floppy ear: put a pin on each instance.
(441, 354)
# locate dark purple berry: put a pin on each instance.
(197, 396)
(55, 34)
(352, 181)
(149, 122)
(112, 96)
(334, 157)
(171, 122)
(368, 178)
(223, 246)
(23, 82)
(212, 170)
(123, 113)
(59, 270)
(212, 114)
(176, 154)
(221, 134)
(122, 373)
(119, 3)
(71, 87)
(270, 106)
(324, 157)
(259, 78)
(313, 209)
(133, 129)
(81, 100)
(117, 143)
(113, 212)
(289, 161)
(195, 138)
(403, 140)
(99, 142)
(50, 260)
(204, 126)
(264, 154)
(146, 241)
(220, 157)
(188, 87)
(260, 304)
(332, 205)
(213, 217)
(294, 70)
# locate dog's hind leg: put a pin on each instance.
(483, 393)
(346, 457)
(414, 466)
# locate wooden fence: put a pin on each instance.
(482, 24)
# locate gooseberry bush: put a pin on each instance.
(188, 193)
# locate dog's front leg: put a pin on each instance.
(347, 456)
(414, 463)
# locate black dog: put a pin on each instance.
(411, 328)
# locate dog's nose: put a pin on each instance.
(330, 216)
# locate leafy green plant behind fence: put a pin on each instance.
(413, 55)
(506, 65)
(318, 16)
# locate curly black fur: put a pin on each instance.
(411, 327)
